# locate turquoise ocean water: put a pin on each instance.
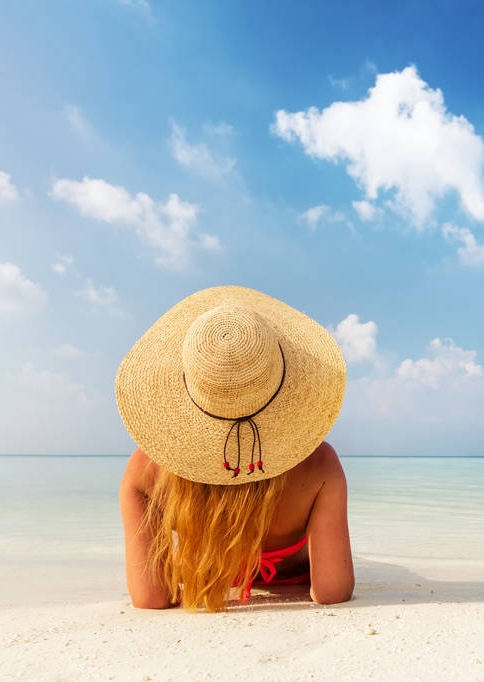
(62, 512)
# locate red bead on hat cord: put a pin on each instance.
(240, 420)
(255, 442)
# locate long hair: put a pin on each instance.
(219, 531)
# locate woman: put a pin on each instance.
(229, 396)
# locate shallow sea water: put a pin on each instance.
(397, 506)
(60, 521)
(417, 507)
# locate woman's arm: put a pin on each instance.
(138, 479)
(332, 576)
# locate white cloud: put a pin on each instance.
(429, 405)
(96, 198)
(77, 120)
(427, 388)
(446, 361)
(169, 228)
(8, 192)
(17, 293)
(470, 253)
(198, 157)
(313, 215)
(401, 139)
(53, 384)
(59, 268)
(366, 211)
(356, 339)
(62, 264)
(102, 297)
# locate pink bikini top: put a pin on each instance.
(268, 569)
(269, 560)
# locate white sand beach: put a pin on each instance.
(417, 611)
(400, 625)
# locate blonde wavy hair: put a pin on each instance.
(217, 541)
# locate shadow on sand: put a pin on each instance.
(377, 584)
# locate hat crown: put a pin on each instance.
(232, 361)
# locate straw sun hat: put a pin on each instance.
(231, 386)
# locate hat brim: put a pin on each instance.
(165, 423)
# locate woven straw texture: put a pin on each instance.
(230, 352)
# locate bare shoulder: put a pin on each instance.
(324, 465)
(140, 473)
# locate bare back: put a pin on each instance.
(312, 504)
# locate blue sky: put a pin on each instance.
(330, 154)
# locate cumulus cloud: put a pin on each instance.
(99, 296)
(447, 360)
(8, 192)
(430, 404)
(470, 253)
(169, 228)
(366, 210)
(400, 144)
(96, 198)
(18, 294)
(426, 388)
(198, 157)
(356, 339)
(313, 215)
(62, 264)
